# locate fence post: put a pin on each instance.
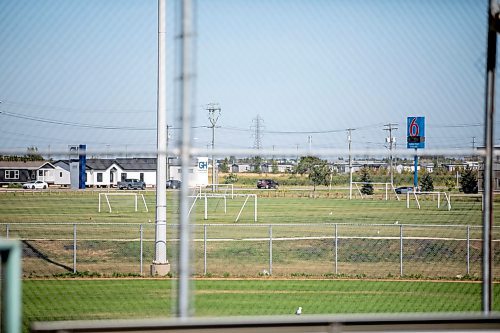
(468, 250)
(336, 249)
(7, 231)
(401, 250)
(140, 237)
(204, 249)
(270, 250)
(206, 207)
(74, 248)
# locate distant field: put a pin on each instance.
(48, 300)
(303, 231)
(284, 206)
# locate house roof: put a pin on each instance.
(99, 164)
(137, 163)
(27, 165)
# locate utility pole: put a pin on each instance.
(160, 265)
(168, 140)
(391, 140)
(349, 140)
(309, 141)
(214, 112)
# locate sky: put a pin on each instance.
(299, 72)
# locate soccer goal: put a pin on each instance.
(387, 187)
(135, 195)
(434, 196)
(206, 196)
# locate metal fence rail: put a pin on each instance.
(371, 250)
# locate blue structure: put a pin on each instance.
(82, 163)
(415, 134)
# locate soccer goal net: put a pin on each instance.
(435, 198)
(105, 197)
(381, 189)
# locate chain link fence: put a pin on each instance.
(250, 250)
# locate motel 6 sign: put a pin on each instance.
(415, 129)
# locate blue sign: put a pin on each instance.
(415, 132)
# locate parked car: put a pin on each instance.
(174, 184)
(39, 184)
(131, 184)
(404, 189)
(267, 183)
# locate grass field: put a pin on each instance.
(47, 300)
(273, 207)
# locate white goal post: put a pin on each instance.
(433, 193)
(388, 187)
(206, 196)
(122, 194)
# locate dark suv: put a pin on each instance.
(267, 183)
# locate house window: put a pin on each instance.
(60, 174)
(11, 174)
(40, 173)
(141, 176)
(123, 176)
(99, 177)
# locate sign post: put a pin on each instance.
(415, 129)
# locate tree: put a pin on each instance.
(468, 181)
(224, 166)
(367, 187)
(32, 154)
(257, 161)
(319, 174)
(231, 178)
(426, 183)
(306, 163)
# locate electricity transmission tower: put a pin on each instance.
(214, 112)
(257, 127)
(391, 141)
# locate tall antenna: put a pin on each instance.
(257, 127)
(214, 112)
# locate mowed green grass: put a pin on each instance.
(292, 207)
(72, 299)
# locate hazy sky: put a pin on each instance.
(75, 72)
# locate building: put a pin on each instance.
(18, 172)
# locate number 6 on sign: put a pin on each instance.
(415, 132)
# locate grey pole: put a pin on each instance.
(468, 250)
(401, 250)
(204, 249)
(185, 97)
(214, 112)
(74, 248)
(270, 250)
(140, 241)
(7, 231)
(336, 249)
(160, 265)
(488, 158)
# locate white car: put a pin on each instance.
(37, 184)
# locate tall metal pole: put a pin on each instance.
(391, 140)
(488, 158)
(214, 111)
(184, 297)
(160, 265)
(349, 139)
